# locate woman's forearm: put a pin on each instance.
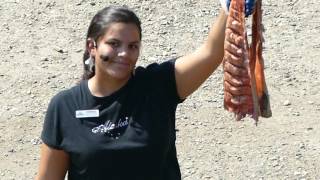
(193, 69)
(214, 45)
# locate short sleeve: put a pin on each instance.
(164, 81)
(51, 132)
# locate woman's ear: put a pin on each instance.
(91, 46)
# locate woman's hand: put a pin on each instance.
(249, 6)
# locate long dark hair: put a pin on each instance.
(99, 25)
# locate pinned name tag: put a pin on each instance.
(87, 113)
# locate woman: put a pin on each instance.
(119, 122)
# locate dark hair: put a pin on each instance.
(100, 23)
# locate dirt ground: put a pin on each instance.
(41, 49)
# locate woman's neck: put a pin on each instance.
(102, 86)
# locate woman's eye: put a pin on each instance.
(113, 44)
(133, 46)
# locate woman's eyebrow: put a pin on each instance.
(117, 40)
(113, 39)
(135, 42)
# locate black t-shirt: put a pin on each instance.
(127, 135)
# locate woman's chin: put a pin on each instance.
(120, 75)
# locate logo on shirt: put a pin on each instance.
(110, 128)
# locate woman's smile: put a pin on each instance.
(120, 48)
(121, 64)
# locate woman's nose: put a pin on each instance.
(122, 52)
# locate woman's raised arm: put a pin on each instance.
(193, 69)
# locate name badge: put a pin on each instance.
(87, 113)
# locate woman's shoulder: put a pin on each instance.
(67, 95)
(156, 68)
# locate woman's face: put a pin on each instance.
(117, 51)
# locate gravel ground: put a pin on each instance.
(41, 47)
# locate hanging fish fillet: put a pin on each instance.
(256, 102)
